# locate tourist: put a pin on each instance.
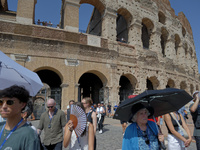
(67, 112)
(141, 134)
(85, 141)
(100, 117)
(91, 115)
(109, 110)
(195, 112)
(52, 121)
(16, 134)
(176, 139)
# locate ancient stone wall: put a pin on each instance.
(168, 59)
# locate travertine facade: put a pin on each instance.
(134, 45)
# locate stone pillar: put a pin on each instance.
(181, 54)
(71, 15)
(64, 101)
(76, 90)
(135, 29)
(154, 42)
(170, 48)
(109, 24)
(26, 11)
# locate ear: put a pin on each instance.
(23, 105)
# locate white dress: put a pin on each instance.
(83, 145)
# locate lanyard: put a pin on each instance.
(52, 115)
(9, 133)
(147, 132)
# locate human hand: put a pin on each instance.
(160, 137)
(70, 125)
(187, 142)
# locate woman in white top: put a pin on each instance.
(100, 117)
(85, 141)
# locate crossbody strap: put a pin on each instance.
(172, 114)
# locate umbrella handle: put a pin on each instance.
(161, 144)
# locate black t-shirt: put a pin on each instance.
(174, 123)
(109, 107)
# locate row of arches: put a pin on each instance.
(95, 85)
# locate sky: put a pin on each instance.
(51, 12)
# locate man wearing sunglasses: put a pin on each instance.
(15, 133)
(52, 121)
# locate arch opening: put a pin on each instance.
(126, 88)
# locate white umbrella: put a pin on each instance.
(12, 73)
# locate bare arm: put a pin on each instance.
(68, 133)
(168, 121)
(94, 120)
(195, 105)
(187, 130)
(91, 137)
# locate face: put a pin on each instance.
(99, 105)
(11, 107)
(84, 103)
(71, 103)
(51, 105)
(142, 116)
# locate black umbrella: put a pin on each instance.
(163, 101)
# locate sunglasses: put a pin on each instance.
(146, 139)
(8, 102)
(50, 106)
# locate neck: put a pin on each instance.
(143, 126)
(12, 122)
(87, 110)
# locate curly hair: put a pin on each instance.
(16, 91)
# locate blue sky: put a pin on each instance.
(49, 10)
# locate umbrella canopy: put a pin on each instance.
(12, 73)
(163, 101)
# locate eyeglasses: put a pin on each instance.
(50, 106)
(8, 102)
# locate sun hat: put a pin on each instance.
(140, 106)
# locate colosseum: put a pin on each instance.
(130, 46)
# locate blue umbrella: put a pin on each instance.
(12, 73)
(163, 101)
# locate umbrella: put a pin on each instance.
(12, 73)
(163, 101)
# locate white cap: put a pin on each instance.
(194, 93)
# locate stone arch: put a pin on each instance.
(161, 17)
(127, 85)
(164, 37)
(170, 83)
(123, 21)
(98, 4)
(147, 28)
(45, 17)
(183, 32)
(191, 89)
(177, 43)
(52, 80)
(154, 81)
(183, 85)
(95, 23)
(51, 69)
(93, 84)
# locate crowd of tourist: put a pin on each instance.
(17, 131)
